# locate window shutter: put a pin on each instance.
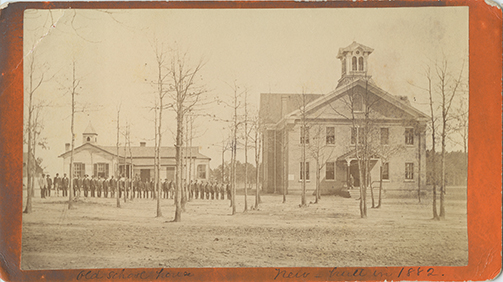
(95, 169)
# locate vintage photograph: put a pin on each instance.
(201, 138)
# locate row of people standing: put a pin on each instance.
(209, 190)
(102, 187)
(58, 184)
(87, 186)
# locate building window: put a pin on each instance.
(355, 66)
(124, 170)
(79, 169)
(304, 135)
(302, 171)
(409, 136)
(357, 133)
(101, 169)
(385, 171)
(88, 139)
(330, 170)
(201, 171)
(409, 171)
(360, 64)
(384, 136)
(331, 135)
(344, 66)
(357, 103)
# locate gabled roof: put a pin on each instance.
(342, 91)
(149, 152)
(142, 152)
(90, 129)
(271, 105)
(351, 154)
(353, 46)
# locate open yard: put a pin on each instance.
(96, 234)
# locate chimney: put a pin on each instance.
(67, 147)
(143, 144)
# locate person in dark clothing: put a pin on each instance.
(222, 191)
(105, 187)
(112, 185)
(64, 185)
(87, 185)
(49, 185)
(57, 184)
(92, 184)
(99, 187)
(228, 189)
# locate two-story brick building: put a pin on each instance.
(334, 123)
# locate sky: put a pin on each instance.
(261, 50)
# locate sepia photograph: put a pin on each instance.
(241, 138)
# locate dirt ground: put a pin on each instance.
(96, 234)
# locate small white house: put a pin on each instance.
(93, 159)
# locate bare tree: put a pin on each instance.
(246, 136)
(162, 79)
(321, 153)
(30, 129)
(73, 93)
(235, 126)
(117, 156)
(433, 145)
(449, 88)
(363, 131)
(257, 143)
(185, 94)
(304, 137)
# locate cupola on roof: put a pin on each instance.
(90, 129)
(354, 63)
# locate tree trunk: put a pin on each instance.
(178, 172)
(380, 188)
(317, 192)
(29, 172)
(70, 194)
(442, 177)
(118, 162)
(159, 135)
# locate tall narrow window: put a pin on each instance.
(304, 170)
(409, 136)
(344, 66)
(385, 171)
(357, 133)
(354, 64)
(357, 103)
(360, 64)
(384, 136)
(331, 135)
(201, 171)
(330, 171)
(353, 135)
(304, 135)
(409, 171)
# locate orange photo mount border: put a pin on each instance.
(484, 154)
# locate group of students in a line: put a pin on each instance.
(136, 188)
(58, 184)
